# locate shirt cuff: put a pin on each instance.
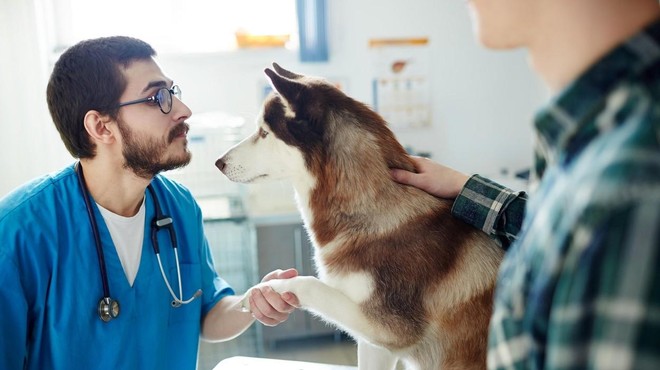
(480, 202)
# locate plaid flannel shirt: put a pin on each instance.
(579, 287)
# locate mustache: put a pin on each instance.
(179, 129)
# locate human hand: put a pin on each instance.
(432, 177)
(268, 306)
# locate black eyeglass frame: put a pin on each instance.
(173, 91)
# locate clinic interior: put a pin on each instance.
(462, 97)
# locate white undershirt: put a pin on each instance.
(127, 234)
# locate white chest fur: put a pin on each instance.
(357, 286)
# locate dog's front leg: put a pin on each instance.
(330, 304)
(372, 357)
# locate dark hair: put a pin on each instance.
(88, 77)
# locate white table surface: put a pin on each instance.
(254, 363)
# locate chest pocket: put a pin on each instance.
(191, 282)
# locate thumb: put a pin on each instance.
(287, 274)
(280, 274)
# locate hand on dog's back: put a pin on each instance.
(432, 177)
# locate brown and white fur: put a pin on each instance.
(395, 270)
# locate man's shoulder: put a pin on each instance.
(628, 145)
(37, 194)
(622, 169)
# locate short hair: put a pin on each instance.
(87, 77)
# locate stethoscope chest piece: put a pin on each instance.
(108, 309)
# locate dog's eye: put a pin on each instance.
(263, 133)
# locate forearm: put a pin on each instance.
(226, 320)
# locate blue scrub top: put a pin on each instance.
(50, 283)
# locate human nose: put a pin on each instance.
(180, 109)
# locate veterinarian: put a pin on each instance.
(104, 264)
(578, 288)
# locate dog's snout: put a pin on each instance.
(220, 163)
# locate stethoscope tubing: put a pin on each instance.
(108, 308)
(162, 221)
(95, 232)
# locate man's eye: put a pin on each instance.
(263, 133)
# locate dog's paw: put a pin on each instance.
(301, 286)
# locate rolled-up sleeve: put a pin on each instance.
(491, 207)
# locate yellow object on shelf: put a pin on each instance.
(247, 40)
(414, 41)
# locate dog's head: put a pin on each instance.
(309, 129)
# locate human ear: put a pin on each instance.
(97, 126)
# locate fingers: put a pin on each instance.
(411, 178)
(434, 178)
(291, 299)
(403, 176)
(420, 162)
(270, 307)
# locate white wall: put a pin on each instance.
(483, 101)
(29, 143)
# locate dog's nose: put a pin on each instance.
(220, 164)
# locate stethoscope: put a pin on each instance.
(108, 308)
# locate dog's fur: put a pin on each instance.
(395, 270)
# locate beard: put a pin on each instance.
(143, 155)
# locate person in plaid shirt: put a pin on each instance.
(579, 287)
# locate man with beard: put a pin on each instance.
(104, 264)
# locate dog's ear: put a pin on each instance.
(286, 73)
(288, 89)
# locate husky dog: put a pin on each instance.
(395, 270)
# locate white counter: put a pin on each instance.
(254, 363)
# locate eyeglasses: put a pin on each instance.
(163, 98)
